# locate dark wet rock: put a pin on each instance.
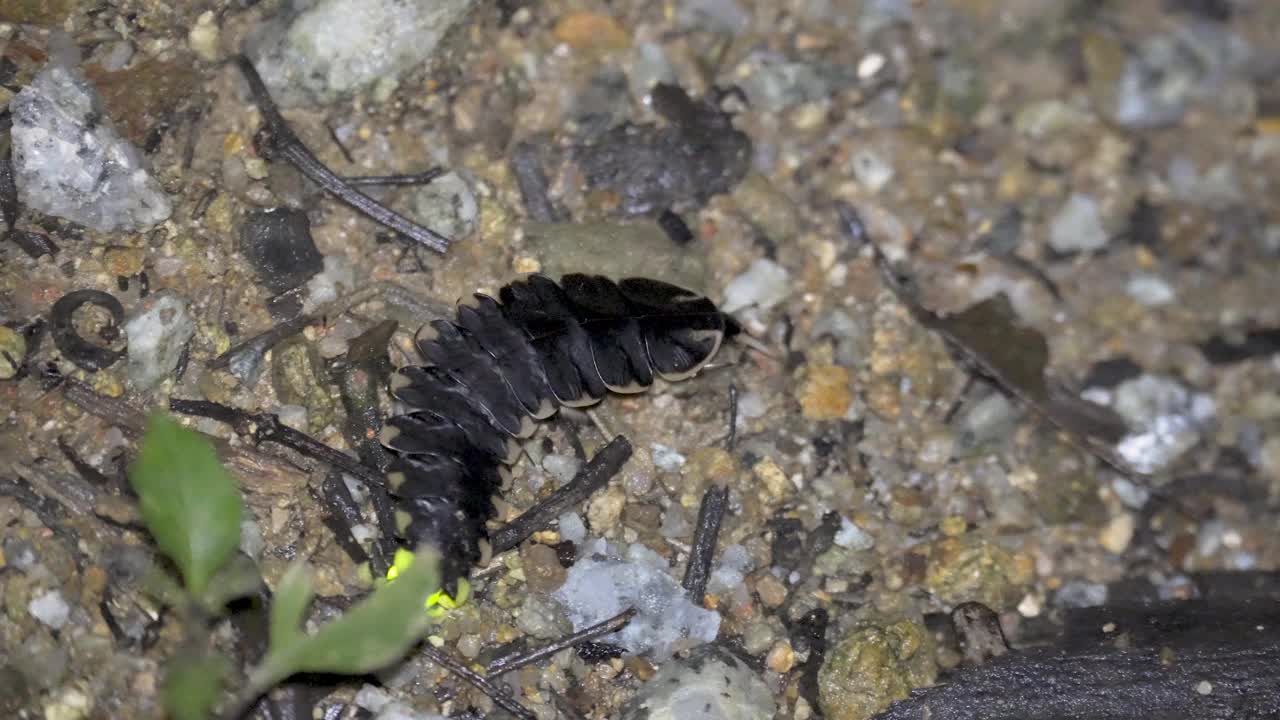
(697, 155)
(1225, 350)
(278, 244)
(711, 684)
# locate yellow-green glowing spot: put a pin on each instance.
(440, 602)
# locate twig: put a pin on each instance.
(710, 514)
(266, 427)
(532, 181)
(516, 660)
(51, 513)
(392, 293)
(422, 178)
(283, 142)
(732, 442)
(479, 682)
(593, 476)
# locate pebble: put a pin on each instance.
(710, 684)
(874, 665)
(666, 458)
(591, 31)
(598, 588)
(1117, 533)
(572, 528)
(1166, 419)
(13, 349)
(763, 285)
(447, 205)
(615, 250)
(337, 47)
(1077, 227)
(50, 609)
(1078, 594)
(872, 170)
(825, 393)
(773, 478)
(69, 160)
(278, 245)
(971, 567)
(542, 570)
(771, 590)
(781, 657)
(70, 704)
(757, 638)
(561, 467)
(722, 16)
(542, 617)
(774, 83)
(1150, 290)
(605, 508)
(204, 37)
(158, 331)
(852, 537)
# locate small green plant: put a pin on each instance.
(193, 509)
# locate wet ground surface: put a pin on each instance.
(1107, 167)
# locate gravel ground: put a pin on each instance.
(1106, 166)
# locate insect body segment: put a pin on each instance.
(502, 364)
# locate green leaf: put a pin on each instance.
(190, 504)
(289, 604)
(192, 685)
(370, 636)
(238, 578)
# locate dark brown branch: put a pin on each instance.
(710, 514)
(517, 660)
(266, 427)
(1183, 660)
(593, 476)
(284, 143)
(479, 682)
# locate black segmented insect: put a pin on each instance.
(501, 364)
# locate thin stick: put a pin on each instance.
(266, 427)
(422, 178)
(479, 682)
(265, 340)
(285, 143)
(517, 660)
(732, 442)
(593, 476)
(710, 514)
